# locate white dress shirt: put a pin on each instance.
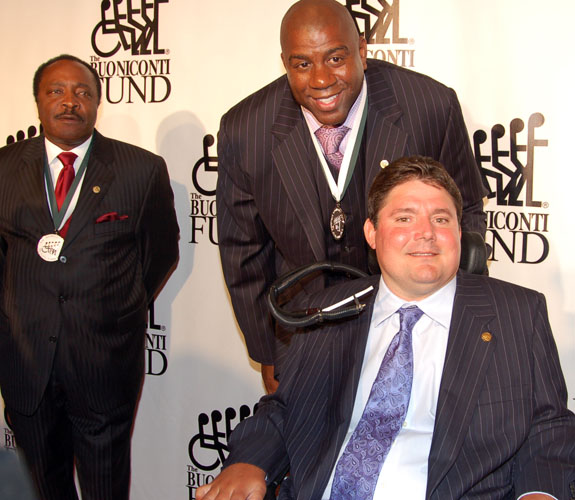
(52, 152)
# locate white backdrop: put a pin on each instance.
(190, 61)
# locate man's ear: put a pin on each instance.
(369, 233)
(363, 52)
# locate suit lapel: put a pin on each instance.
(97, 179)
(293, 157)
(467, 360)
(384, 139)
(32, 186)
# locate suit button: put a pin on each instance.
(62, 299)
(63, 259)
(53, 339)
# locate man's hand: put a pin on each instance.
(270, 383)
(236, 482)
(537, 496)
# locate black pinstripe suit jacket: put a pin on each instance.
(269, 214)
(88, 310)
(502, 426)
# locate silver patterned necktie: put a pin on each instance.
(330, 139)
(358, 468)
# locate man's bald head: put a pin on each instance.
(316, 14)
(324, 57)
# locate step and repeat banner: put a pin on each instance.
(171, 68)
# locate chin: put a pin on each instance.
(427, 277)
(328, 119)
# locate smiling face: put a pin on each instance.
(325, 59)
(416, 239)
(67, 103)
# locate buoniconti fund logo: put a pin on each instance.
(130, 59)
(379, 22)
(208, 448)
(9, 440)
(156, 345)
(21, 135)
(203, 210)
(517, 228)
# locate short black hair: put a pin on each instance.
(413, 168)
(65, 57)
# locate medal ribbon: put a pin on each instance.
(58, 215)
(349, 158)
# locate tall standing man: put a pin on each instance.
(88, 233)
(297, 158)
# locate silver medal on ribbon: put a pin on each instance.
(337, 222)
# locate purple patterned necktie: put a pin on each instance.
(330, 139)
(358, 468)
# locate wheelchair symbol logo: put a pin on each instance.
(209, 450)
(133, 26)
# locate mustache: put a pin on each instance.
(70, 113)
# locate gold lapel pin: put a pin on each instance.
(96, 189)
(486, 337)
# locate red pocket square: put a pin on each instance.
(111, 216)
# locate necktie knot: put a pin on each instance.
(330, 139)
(67, 158)
(408, 316)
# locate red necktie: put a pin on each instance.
(65, 179)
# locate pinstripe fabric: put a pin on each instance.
(270, 209)
(502, 426)
(85, 314)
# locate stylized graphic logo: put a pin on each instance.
(203, 201)
(21, 135)
(507, 173)
(132, 26)
(156, 358)
(379, 25)
(208, 448)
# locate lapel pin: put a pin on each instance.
(96, 189)
(383, 163)
(486, 337)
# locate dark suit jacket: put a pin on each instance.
(88, 310)
(502, 425)
(269, 214)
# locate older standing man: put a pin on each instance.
(88, 233)
(446, 387)
(297, 157)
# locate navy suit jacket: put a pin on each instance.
(87, 311)
(502, 425)
(269, 214)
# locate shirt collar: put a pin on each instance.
(438, 306)
(349, 122)
(52, 151)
